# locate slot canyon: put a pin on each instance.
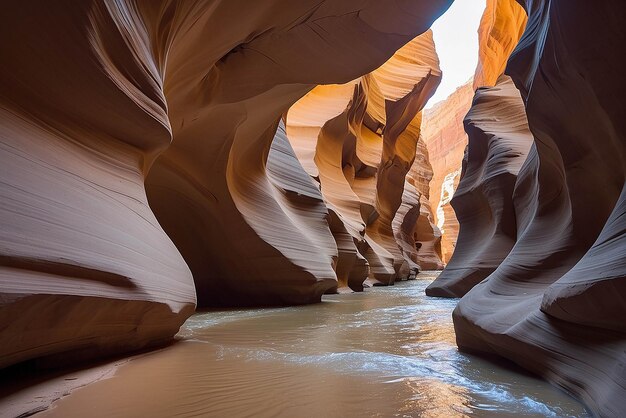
(236, 208)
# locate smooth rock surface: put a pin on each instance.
(84, 265)
(97, 98)
(362, 158)
(211, 189)
(499, 142)
(555, 305)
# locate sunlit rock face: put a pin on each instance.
(427, 234)
(556, 304)
(499, 142)
(98, 97)
(500, 29)
(360, 140)
(211, 188)
(446, 140)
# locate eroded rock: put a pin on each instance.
(553, 304)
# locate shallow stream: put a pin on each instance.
(385, 352)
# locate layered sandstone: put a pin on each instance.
(97, 98)
(84, 264)
(555, 304)
(427, 236)
(211, 189)
(484, 224)
(446, 140)
(500, 29)
(363, 154)
(499, 142)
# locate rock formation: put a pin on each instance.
(446, 141)
(210, 189)
(360, 141)
(84, 264)
(499, 142)
(98, 97)
(427, 235)
(555, 305)
(500, 29)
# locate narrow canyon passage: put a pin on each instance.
(386, 352)
(397, 183)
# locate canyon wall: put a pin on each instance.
(499, 142)
(501, 27)
(210, 189)
(446, 140)
(98, 98)
(359, 141)
(84, 263)
(484, 220)
(555, 303)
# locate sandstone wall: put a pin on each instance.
(365, 136)
(555, 304)
(499, 142)
(98, 98)
(500, 29)
(480, 230)
(446, 140)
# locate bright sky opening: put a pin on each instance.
(456, 39)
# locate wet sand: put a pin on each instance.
(385, 352)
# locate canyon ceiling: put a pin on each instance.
(156, 156)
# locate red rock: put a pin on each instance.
(95, 97)
(555, 305)
(363, 156)
(446, 140)
(499, 142)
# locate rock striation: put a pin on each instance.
(484, 225)
(446, 141)
(555, 304)
(84, 264)
(500, 29)
(99, 98)
(365, 135)
(499, 142)
(211, 189)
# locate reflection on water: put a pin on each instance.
(386, 352)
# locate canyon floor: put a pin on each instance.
(384, 352)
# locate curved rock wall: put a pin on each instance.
(555, 304)
(499, 142)
(500, 29)
(446, 141)
(362, 157)
(211, 190)
(84, 264)
(427, 235)
(97, 96)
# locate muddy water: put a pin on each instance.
(386, 352)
